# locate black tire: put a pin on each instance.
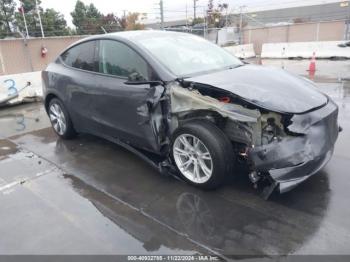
(69, 132)
(219, 147)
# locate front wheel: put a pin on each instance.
(202, 154)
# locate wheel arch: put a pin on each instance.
(48, 99)
(199, 115)
(235, 131)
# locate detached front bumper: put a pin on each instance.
(293, 159)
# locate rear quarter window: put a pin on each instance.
(81, 56)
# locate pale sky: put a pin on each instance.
(173, 9)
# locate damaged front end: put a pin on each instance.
(282, 148)
(305, 147)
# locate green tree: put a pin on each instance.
(79, 16)
(214, 14)
(7, 9)
(29, 5)
(198, 20)
(53, 22)
(87, 19)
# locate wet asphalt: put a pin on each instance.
(89, 196)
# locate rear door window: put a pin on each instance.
(118, 59)
(81, 56)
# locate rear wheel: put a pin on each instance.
(60, 119)
(202, 154)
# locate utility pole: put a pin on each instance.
(205, 24)
(41, 25)
(21, 9)
(186, 16)
(161, 14)
(348, 24)
(241, 25)
(194, 9)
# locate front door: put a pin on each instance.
(128, 112)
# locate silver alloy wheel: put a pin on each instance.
(58, 120)
(193, 158)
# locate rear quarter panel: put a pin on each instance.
(69, 85)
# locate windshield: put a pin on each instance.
(185, 54)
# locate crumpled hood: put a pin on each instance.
(268, 87)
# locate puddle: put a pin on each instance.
(22, 119)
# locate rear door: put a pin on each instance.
(79, 82)
(128, 112)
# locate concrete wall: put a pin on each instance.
(20, 87)
(307, 32)
(19, 56)
(242, 51)
(322, 49)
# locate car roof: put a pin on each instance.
(136, 35)
(132, 37)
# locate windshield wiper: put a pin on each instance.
(234, 66)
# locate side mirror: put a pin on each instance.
(135, 77)
(243, 60)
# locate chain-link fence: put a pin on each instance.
(298, 32)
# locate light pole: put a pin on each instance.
(194, 9)
(41, 25)
(241, 24)
(161, 14)
(21, 9)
